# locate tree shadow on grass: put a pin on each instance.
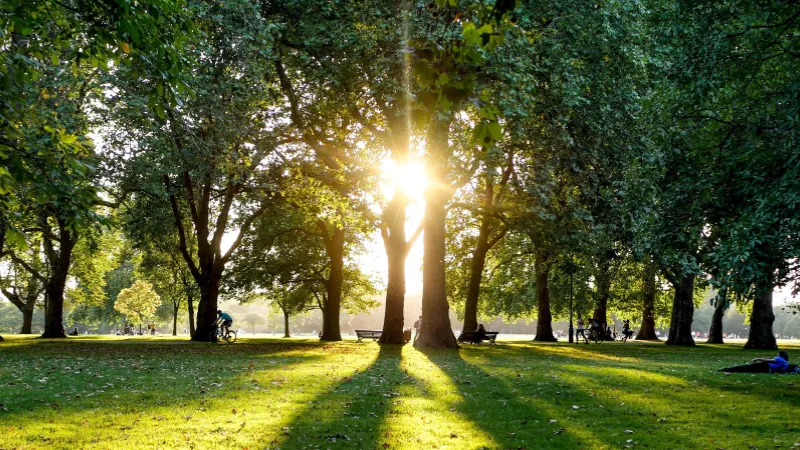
(503, 410)
(99, 396)
(350, 413)
(663, 405)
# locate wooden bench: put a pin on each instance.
(372, 334)
(470, 336)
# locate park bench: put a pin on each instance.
(372, 334)
(470, 336)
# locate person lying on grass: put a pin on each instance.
(779, 364)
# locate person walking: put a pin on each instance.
(581, 329)
(417, 326)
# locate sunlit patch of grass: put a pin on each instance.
(162, 392)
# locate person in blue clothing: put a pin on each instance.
(224, 320)
(778, 364)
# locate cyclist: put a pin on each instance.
(224, 320)
(594, 328)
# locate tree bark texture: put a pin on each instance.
(207, 307)
(334, 246)
(394, 240)
(59, 270)
(647, 332)
(761, 336)
(475, 278)
(286, 333)
(680, 327)
(715, 331)
(603, 292)
(544, 320)
(175, 322)
(485, 243)
(190, 307)
(436, 331)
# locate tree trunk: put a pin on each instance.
(715, 331)
(603, 292)
(435, 331)
(207, 309)
(27, 321)
(475, 278)
(54, 311)
(26, 307)
(286, 333)
(647, 332)
(330, 317)
(175, 321)
(59, 270)
(396, 253)
(761, 336)
(190, 305)
(544, 321)
(680, 326)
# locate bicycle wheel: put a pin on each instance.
(212, 337)
(230, 337)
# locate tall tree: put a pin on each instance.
(214, 158)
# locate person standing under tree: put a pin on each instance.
(417, 326)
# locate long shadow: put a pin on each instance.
(504, 411)
(657, 403)
(351, 412)
(78, 395)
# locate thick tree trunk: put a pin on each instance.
(544, 320)
(396, 253)
(436, 331)
(27, 321)
(715, 331)
(330, 317)
(54, 310)
(761, 336)
(603, 292)
(680, 327)
(59, 270)
(286, 333)
(647, 332)
(207, 309)
(190, 305)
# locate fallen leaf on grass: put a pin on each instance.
(559, 431)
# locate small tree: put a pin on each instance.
(138, 302)
(253, 319)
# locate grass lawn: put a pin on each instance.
(114, 393)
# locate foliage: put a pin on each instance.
(138, 302)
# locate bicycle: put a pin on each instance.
(216, 335)
(594, 336)
(627, 335)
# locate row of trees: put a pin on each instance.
(612, 149)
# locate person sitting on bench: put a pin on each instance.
(779, 364)
(480, 334)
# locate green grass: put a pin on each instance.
(295, 394)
